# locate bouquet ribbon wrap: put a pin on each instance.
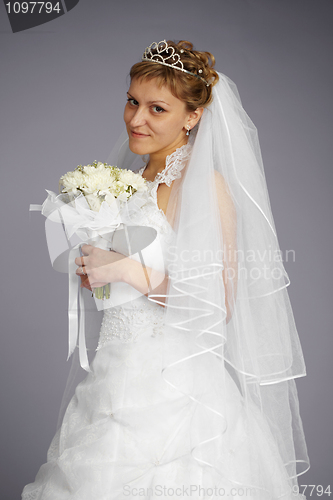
(81, 225)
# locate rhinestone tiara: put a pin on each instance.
(171, 58)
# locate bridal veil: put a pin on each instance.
(227, 289)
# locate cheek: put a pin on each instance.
(127, 114)
(172, 128)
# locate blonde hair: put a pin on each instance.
(189, 89)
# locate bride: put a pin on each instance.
(192, 389)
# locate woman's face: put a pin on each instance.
(155, 119)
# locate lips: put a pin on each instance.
(138, 134)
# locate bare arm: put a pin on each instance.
(228, 219)
(145, 280)
(102, 267)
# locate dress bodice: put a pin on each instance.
(135, 314)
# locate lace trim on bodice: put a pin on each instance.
(174, 164)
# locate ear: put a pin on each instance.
(194, 117)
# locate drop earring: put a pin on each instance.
(188, 128)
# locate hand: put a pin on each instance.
(98, 267)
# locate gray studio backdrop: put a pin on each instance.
(63, 88)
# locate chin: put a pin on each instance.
(136, 148)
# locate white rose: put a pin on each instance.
(126, 176)
(136, 181)
(97, 180)
(71, 181)
(139, 183)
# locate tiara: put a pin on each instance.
(171, 59)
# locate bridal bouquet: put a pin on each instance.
(100, 183)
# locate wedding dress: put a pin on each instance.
(127, 432)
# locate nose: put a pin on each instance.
(139, 117)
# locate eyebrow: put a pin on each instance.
(150, 102)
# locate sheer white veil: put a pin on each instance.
(226, 260)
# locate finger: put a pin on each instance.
(82, 271)
(79, 261)
(86, 249)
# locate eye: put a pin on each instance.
(158, 109)
(132, 101)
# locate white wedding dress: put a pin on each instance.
(127, 433)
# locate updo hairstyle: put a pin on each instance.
(188, 88)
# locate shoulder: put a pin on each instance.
(219, 179)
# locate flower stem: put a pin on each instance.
(102, 292)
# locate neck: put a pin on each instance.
(157, 160)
